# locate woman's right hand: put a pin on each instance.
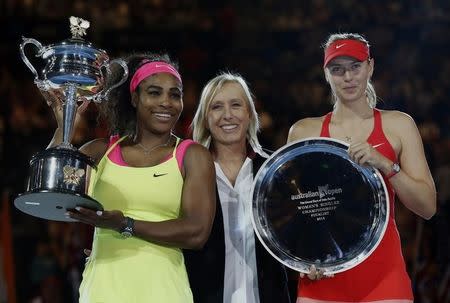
(316, 274)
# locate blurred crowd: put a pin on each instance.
(275, 45)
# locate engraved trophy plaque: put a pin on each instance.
(312, 205)
(59, 176)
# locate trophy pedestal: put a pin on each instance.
(53, 205)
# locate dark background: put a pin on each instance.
(275, 45)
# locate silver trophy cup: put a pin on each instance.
(59, 176)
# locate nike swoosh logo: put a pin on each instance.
(159, 175)
(339, 46)
(166, 66)
(376, 145)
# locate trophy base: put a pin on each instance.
(53, 205)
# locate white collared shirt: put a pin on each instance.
(241, 278)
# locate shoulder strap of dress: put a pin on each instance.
(325, 132)
(377, 125)
(113, 145)
(101, 165)
(181, 151)
(174, 152)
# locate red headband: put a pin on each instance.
(152, 68)
(347, 47)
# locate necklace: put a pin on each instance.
(147, 151)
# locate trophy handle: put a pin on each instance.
(103, 95)
(39, 82)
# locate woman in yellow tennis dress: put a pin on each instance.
(157, 190)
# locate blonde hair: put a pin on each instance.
(200, 132)
(370, 90)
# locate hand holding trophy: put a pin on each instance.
(75, 72)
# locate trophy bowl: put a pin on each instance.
(73, 62)
(313, 205)
(59, 176)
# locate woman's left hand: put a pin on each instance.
(113, 219)
(365, 154)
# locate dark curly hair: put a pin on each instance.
(118, 111)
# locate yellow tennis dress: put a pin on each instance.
(133, 270)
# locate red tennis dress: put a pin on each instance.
(382, 276)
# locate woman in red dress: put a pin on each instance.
(386, 140)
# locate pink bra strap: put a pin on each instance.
(181, 151)
(115, 154)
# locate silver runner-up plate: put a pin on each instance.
(313, 205)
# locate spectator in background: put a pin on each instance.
(3, 294)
